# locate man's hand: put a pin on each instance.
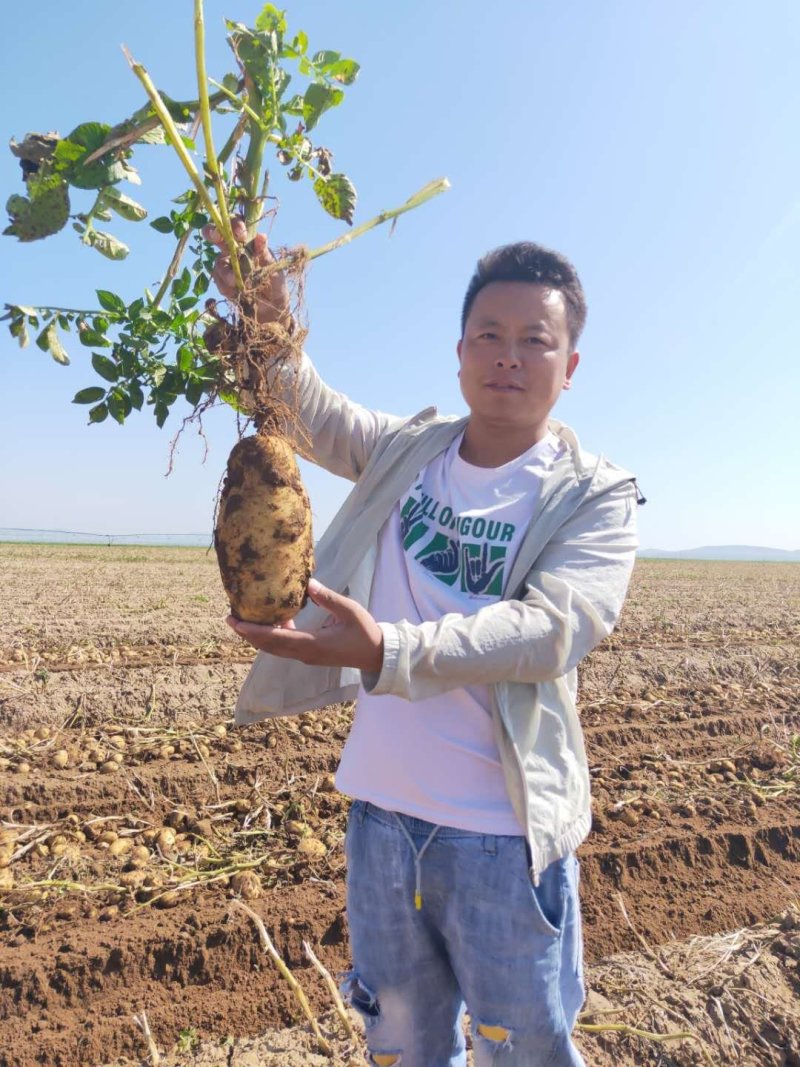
(272, 296)
(350, 638)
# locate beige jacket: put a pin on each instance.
(563, 596)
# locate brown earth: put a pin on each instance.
(117, 882)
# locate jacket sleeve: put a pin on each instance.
(333, 431)
(572, 600)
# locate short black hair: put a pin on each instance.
(525, 261)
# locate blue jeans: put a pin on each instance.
(483, 935)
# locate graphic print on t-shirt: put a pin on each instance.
(466, 549)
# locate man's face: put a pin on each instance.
(515, 354)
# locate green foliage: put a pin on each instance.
(150, 352)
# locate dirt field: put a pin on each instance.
(133, 813)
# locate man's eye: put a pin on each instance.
(535, 340)
(487, 336)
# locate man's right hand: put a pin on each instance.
(271, 298)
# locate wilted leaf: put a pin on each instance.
(35, 149)
(337, 195)
(124, 206)
(45, 211)
(108, 245)
(19, 330)
(49, 341)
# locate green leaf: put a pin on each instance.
(194, 392)
(337, 195)
(105, 367)
(231, 398)
(317, 100)
(111, 302)
(185, 359)
(106, 170)
(294, 106)
(161, 413)
(124, 206)
(90, 395)
(271, 20)
(345, 71)
(201, 284)
(43, 212)
(119, 405)
(106, 244)
(231, 83)
(92, 339)
(181, 286)
(136, 394)
(98, 414)
(300, 43)
(163, 224)
(324, 60)
(178, 111)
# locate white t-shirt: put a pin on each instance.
(447, 547)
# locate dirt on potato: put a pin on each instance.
(263, 535)
(133, 813)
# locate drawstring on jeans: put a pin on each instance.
(418, 854)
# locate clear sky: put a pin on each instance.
(655, 143)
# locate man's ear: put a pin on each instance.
(458, 348)
(572, 363)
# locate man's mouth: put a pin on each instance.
(500, 386)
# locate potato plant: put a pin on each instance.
(176, 343)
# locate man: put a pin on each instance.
(476, 561)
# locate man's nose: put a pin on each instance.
(508, 358)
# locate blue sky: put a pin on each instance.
(654, 143)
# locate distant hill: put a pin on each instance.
(753, 553)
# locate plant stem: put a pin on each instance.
(270, 136)
(253, 163)
(427, 192)
(177, 143)
(90, 216)
(172, 269)
(180, 248)
(208, 135)
(123, 140)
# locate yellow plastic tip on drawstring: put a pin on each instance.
(418, 901)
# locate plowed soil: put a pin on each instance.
(133, 812)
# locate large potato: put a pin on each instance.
(263, 533)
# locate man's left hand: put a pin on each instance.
(351, 637)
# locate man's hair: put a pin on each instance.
(529, 262)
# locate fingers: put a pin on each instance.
(212, 234)
(340, 606)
